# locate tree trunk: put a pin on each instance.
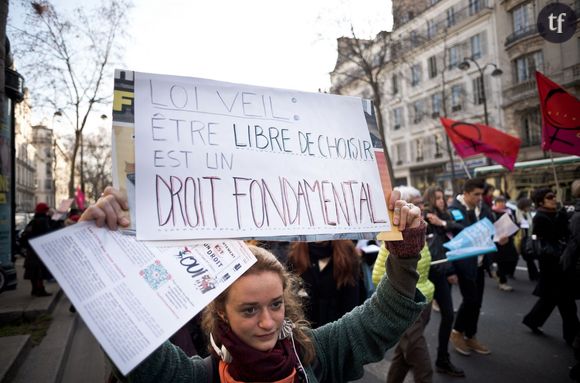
(71, 182)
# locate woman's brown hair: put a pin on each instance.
(266, 261)
(430, 198)
(346, 263)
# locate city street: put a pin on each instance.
(517, 355)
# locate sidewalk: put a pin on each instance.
(19, 304)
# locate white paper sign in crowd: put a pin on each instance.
(221, 160)
(134, 295)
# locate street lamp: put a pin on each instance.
(496, 72)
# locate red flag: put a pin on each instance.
(80, 198)
(560, 117)
(471, 139)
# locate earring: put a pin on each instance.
(286, 329)
(222, 351)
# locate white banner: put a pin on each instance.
(222, 160)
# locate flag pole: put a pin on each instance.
(465, 168)
(555, 174)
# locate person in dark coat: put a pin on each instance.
(467, 209)
(331, 274)
(550, 226)
(441, 227)
(34, 268)
(571, 265)
(506, 256)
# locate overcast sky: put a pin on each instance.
(282, 44)
(285, 44)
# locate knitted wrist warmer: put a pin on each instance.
(412, 243)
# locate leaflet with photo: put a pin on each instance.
(133, 295)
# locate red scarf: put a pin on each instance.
(251, 365)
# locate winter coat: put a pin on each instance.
(468, 266)
(551, 230)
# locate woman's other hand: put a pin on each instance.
(111, 209)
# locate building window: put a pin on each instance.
(531, 127)
(419, 152)
(401, 153)
(436, 102)
(48, 185)
(450, 17)
(438, 145)
(453, 54)
(523, 17)
(475, 47)
(397, 118)
(432, 66)
(414, 39)
(456, 91)
(49, 169)
(418, 111)
(478, 96)
(415, 74)
(474, 7)
(395, 84)
(526, 66)
(431, 29)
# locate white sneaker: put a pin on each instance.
(505, 287)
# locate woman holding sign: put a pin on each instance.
(257, 328)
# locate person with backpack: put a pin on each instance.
(257, 329)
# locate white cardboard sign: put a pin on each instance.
(222, 160)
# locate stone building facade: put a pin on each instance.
(446, 60)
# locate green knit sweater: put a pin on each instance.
(342, 348)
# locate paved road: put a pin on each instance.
(517, 354)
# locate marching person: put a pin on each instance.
(257, 327)
(467, 209)
(440, 229)
(550, 226)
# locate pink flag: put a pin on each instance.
(471, 139)
(80, 198)
(560, 117)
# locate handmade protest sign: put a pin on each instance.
(221, 160)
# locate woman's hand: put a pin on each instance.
(112, 209)
(405, 214)
(434, 220)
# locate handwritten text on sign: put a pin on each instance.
(217, 160)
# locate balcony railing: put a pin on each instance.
(521, 90)
(463, 13)
(529, 30)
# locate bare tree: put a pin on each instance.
(68, 58)
(98, 163)
(363, 61)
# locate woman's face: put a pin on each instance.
(550, 201)
(255, 309)
(439, 201)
